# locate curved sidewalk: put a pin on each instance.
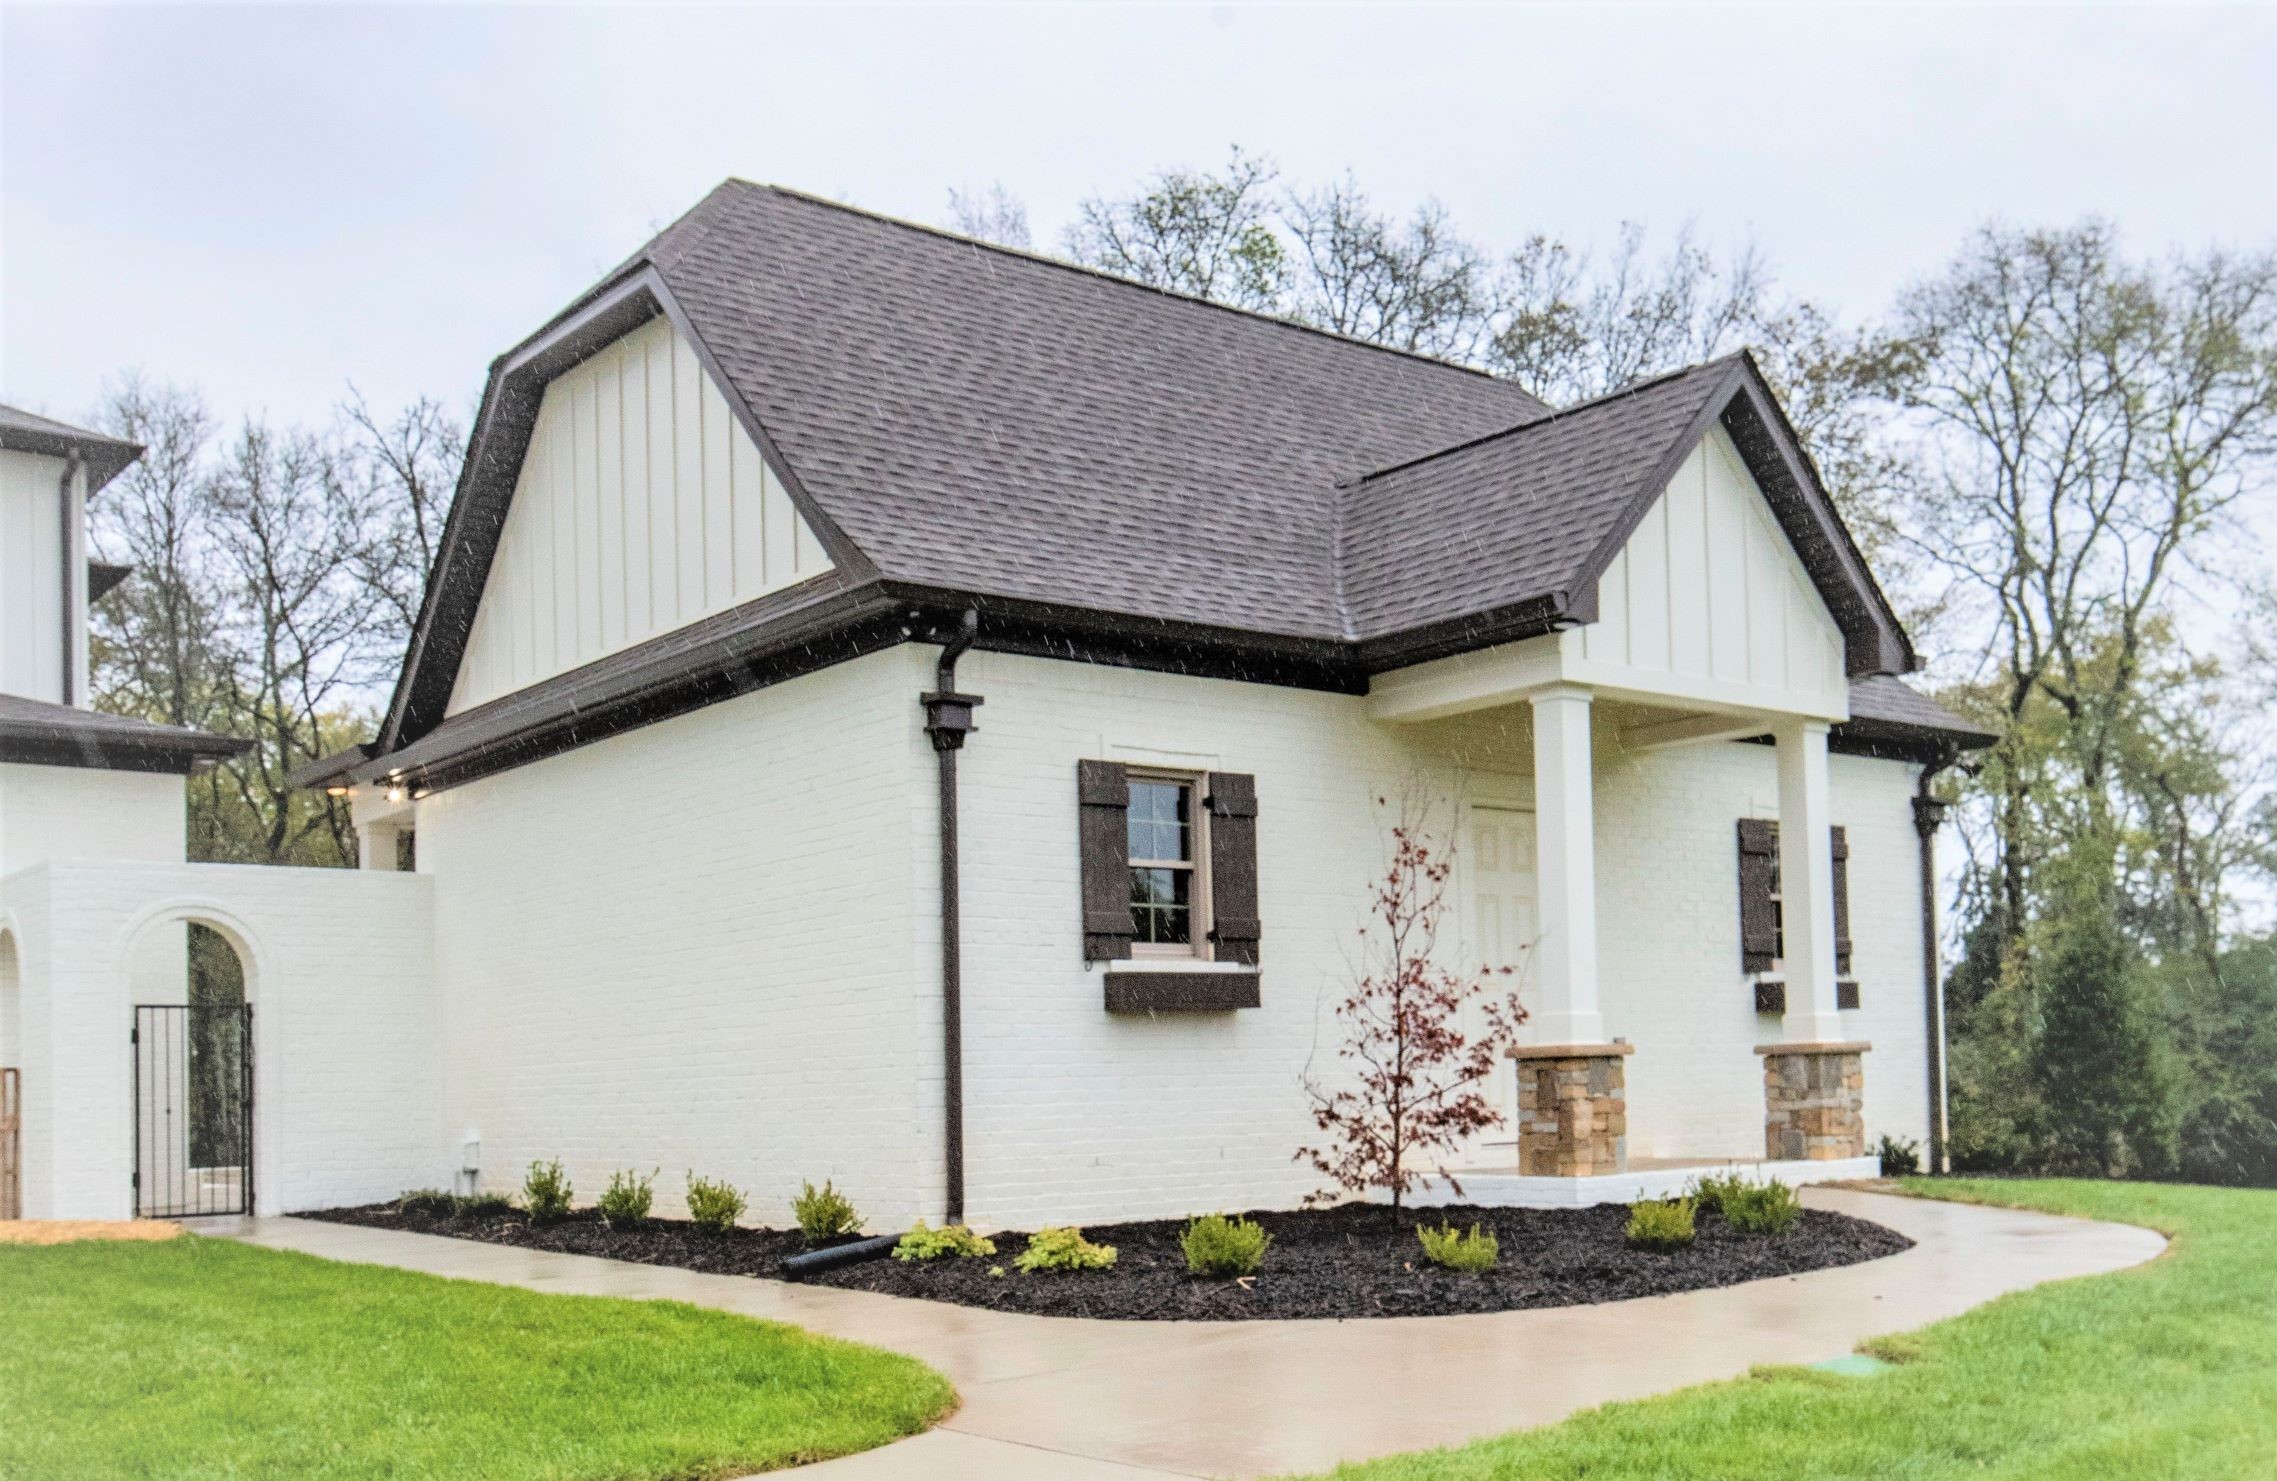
(1056, 1399)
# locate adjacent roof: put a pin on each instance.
(41, 734)
(107, 457)
(967, 425)
(1885, 711)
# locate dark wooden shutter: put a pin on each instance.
(1103, 798)
(1758, 856)
(1841, 903)
(1232, 804)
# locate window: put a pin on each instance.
(1167, 896)
(1777, 896)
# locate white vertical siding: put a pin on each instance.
(642, 505)
(1708, 594)
(31, 576)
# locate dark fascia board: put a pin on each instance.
(103, 578)
(1816, 530)
(103, 749)
(1531, 618)
(1084, 635)
(808, 627)
(1741, 402)
(501, 439)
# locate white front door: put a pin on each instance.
(1496, 867)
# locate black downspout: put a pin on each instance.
(65, 533)
(1928, 813)
(948, 720)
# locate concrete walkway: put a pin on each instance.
(1057, 1399)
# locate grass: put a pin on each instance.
(202, 1358)
(2165, 1371)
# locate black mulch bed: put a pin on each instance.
(1352, 1261)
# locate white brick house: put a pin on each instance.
(715, 870)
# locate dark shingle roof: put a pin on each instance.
(996, 422)
(1518, 515)
(966, 424)
(39, 733)
(107, 457)
(1885, 707)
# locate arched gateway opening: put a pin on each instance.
(193, 1071)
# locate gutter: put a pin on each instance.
(1928, 813)
(948, 720)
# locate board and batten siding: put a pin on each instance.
(641, 506)
(1709, 591)
(31, 578)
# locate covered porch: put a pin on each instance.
(1580, 744)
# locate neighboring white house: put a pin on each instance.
(714, 870)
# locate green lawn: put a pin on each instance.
(203, 1358)
(2165, 1371)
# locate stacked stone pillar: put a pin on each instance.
(1573, 1114)
(1814, 1101)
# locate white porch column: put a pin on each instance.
(1806, 883)
(1566, 870)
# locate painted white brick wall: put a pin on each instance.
(694, 947)
(1073, 1114)
(339, 971)
(74, 812)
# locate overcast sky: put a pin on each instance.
(269, 202)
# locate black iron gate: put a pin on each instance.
(193, 1110)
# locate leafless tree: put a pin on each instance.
(406, 469)
(1416, 286)
(993, 215)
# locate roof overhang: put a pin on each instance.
(34, 733)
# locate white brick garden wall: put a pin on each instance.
(339, 970)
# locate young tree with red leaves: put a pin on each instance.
(1417, 1078)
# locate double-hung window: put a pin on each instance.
(1169, 895)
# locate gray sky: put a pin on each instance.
(269, 202)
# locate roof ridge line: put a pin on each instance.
(1594, 403)
(1027, 254)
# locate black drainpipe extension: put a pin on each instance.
(948, 719)
(1928, 813)
(66, 533)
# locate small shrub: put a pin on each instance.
(546, 1192)
(925, 1243)
(626, 1202)
(1450, 1247)
(714, 1206)
(996, 1272)
(1221, 1248)
(1709, 1191)
(433, 1202)
(1660, 1224)
(1762, 1208)
(1063, 1249)
(824, 1214)
(1901, 1156)
(485, 1205)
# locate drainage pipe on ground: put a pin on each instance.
(858, 1252)
(948, 720)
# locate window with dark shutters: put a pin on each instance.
(1103, 803)
(1123, 888)
(1760, 896)
(1231, 801)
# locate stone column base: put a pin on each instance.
(1573, 1114)
(1813, 1101)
